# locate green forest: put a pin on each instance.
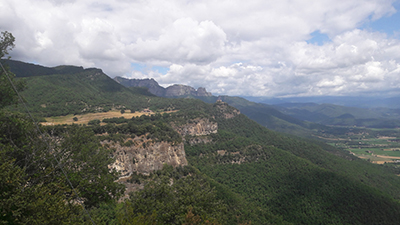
(244, 173)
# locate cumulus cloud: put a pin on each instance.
(184, 41)
(230, 47)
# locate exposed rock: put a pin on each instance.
(184, 90)
(179, 90)
(151, 84)
(175, 90)
(144, 156)
(199, 140)
(198, 127)
(221, 152)
(203, 92)
(226, 110)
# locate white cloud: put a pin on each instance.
(230, 47)
(184, 41)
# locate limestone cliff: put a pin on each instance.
(151, 84)
(145, 156)
(175, 90)
(225, 110)
(197, 127)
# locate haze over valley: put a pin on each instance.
(199, 112)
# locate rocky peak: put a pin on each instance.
(175, 90)
(183, 90)
(202, 92)
(151, 84)
(226, 110)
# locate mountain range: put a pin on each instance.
(255, 174)
(379, 100)
(176, 90)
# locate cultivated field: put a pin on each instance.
(377, 149)
(85, 118)
(378, 156)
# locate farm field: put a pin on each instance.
(85, 118)
(378, 156)
(375, 148)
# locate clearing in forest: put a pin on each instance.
(85, 118)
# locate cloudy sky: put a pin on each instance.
(251, 48)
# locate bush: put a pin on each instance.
(94, 122)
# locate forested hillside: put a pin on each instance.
(240, 173)
(330, 114)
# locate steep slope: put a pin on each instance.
(23, 69)
(151, 84)
(296, 179)
(301, 181)
(66, 90)
(264, 114)
(330, 114)
(173, 91)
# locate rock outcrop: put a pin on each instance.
(198, 127)
(145, 156)
(226, 111)
(151, 84)
(175, 90)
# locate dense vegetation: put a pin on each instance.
(67, 90)
(244, 173)
(330, 114)
(265, 168)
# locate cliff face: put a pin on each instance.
(151, 84)
(198, 127)
(144, 156)
(226, 111)
(179, 90)
(175, 90)
(183, 90)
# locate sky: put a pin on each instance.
(265, 48)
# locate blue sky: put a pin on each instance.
(389, 25)
(318, 38)
(252, 48)
(143, 68)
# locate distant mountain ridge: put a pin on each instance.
(301, 181)
(348, 101)
(176, 90)
(330, 114)
(23, 69)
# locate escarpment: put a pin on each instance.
(196, 127)
(225, 110)
(144, 156)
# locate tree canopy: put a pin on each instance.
(33, 165)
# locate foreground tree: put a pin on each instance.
(8, 96)
(33, 186)
(173, 198)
